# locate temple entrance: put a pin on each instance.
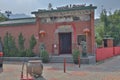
(65, 42)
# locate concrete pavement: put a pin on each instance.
(107, 70)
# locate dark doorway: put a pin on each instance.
(105, 43)
(65, 43)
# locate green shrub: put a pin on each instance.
(45, 56)
(22, 53)
(75, 55)
(21, 41)
(10, 48)
(32, 42)
(29, 53)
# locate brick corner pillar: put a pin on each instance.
(38, 25)
(37, 33)
(93, 47)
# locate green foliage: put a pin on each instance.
(21, 53)
(114, 26)
(99, 32)
(2, 17)
(10, 48)
(44, 56)
(6, 47)
(104, 19)
(111, 25)
(33, 42)
(21, 41)
(29, 53)
(75, 55)
(49, 6)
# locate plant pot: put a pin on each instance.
(34, 67)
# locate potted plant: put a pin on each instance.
(76, 54)
(44, 56)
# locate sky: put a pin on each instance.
(28, 6)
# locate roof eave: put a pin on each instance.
(16, 24)
(55, 10)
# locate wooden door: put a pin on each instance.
(65, 43)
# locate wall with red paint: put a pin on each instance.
(78, 27)
(27, 30)
(105, 53)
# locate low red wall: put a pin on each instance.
(104, 53)
(117, 50)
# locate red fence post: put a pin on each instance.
(64, 65)
(21, 75)
(79, 61)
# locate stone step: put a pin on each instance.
(60, 59)
(69, 59)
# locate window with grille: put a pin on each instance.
(80, 38)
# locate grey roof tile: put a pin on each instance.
(19, 21)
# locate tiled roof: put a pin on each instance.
(68, 9)
(20, 21)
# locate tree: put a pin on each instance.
(111, 25)
(114, 26)
(9, 45)
(8, 13)
(103, 18)
(99, 32)
(32, 42)
(2, 17)
(6, 47)
(21, 41)
(12, 46)
(49, 6)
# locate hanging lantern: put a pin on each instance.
(42, 33)
(1, 54)
(86, 31)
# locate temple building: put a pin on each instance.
(59, 30)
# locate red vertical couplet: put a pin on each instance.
(74, 31)
(64, 65)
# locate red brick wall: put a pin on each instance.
(48, 39)
(27, 31)
(79, 26)
(50, 33)
(110, 42)
(49, 28)
(92, 33)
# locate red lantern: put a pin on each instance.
(42, 33)
(1, 54)
(86, 31)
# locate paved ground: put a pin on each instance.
(107, 70)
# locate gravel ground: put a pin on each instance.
(107, 70)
